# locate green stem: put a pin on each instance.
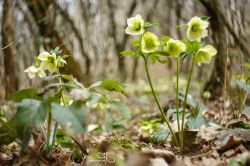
(157, 101)
(177, 95)
(49, 127)
(185, 102)
(56, 125)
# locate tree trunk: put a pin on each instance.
(9, 50)
(45, 22)
(219, 78)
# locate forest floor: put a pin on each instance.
(141, 140)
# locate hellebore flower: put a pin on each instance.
(197, 28)
(149, 43)
(205, 54)
(33, 71)
(135, 25)
(174, 47)
(48, 61)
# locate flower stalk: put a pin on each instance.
(149, 46)
(177, 95)
(157, 101)
(185, 103)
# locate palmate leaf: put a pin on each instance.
(72, 117)
(110, 85)
(116, 105)
(160, 136)
(192, 47)
(242, 85)
(23, 94)
(136, 43)
(29, 114)
(127, 52)
(205, 18)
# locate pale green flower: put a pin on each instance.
(197, 28)
(135, 25)
(33, 71)
(205, 54)
(48, 61)
(149, 43)
(174, 47)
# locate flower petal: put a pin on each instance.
(43, 55)
(150, 42)
(174, 47)
(135, 25)
(211, 50)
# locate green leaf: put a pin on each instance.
(56, 51)
(156, 24)
(162, 53)
(154, 58)
(23, 94)
(115, 105)
(192, 47)
(136, 43)
(138, 53)
(246, 110)
(160, 136)
(73, 117)
(67, 77)
(29, 114)
(241, 85)
(95, 85)
(182, 26)
(112, 85)
(64, 140)
(127, 52)
(65, 56)
(165, 38)
(196, 120)
(205, 18)
(95, 98)
(183, 55)
(146, 23)
(7, 132)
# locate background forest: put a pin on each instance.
(92, 31)
(111, 93)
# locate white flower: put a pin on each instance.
(33, 71)
(197, 28)
(135, 25)
(48, 61)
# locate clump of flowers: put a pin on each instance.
(46, 62)
(149, 46)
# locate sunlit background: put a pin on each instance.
(92, 32)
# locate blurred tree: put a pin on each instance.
(120, 45)
(45, 19)
(9, 49)
(219, 82)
